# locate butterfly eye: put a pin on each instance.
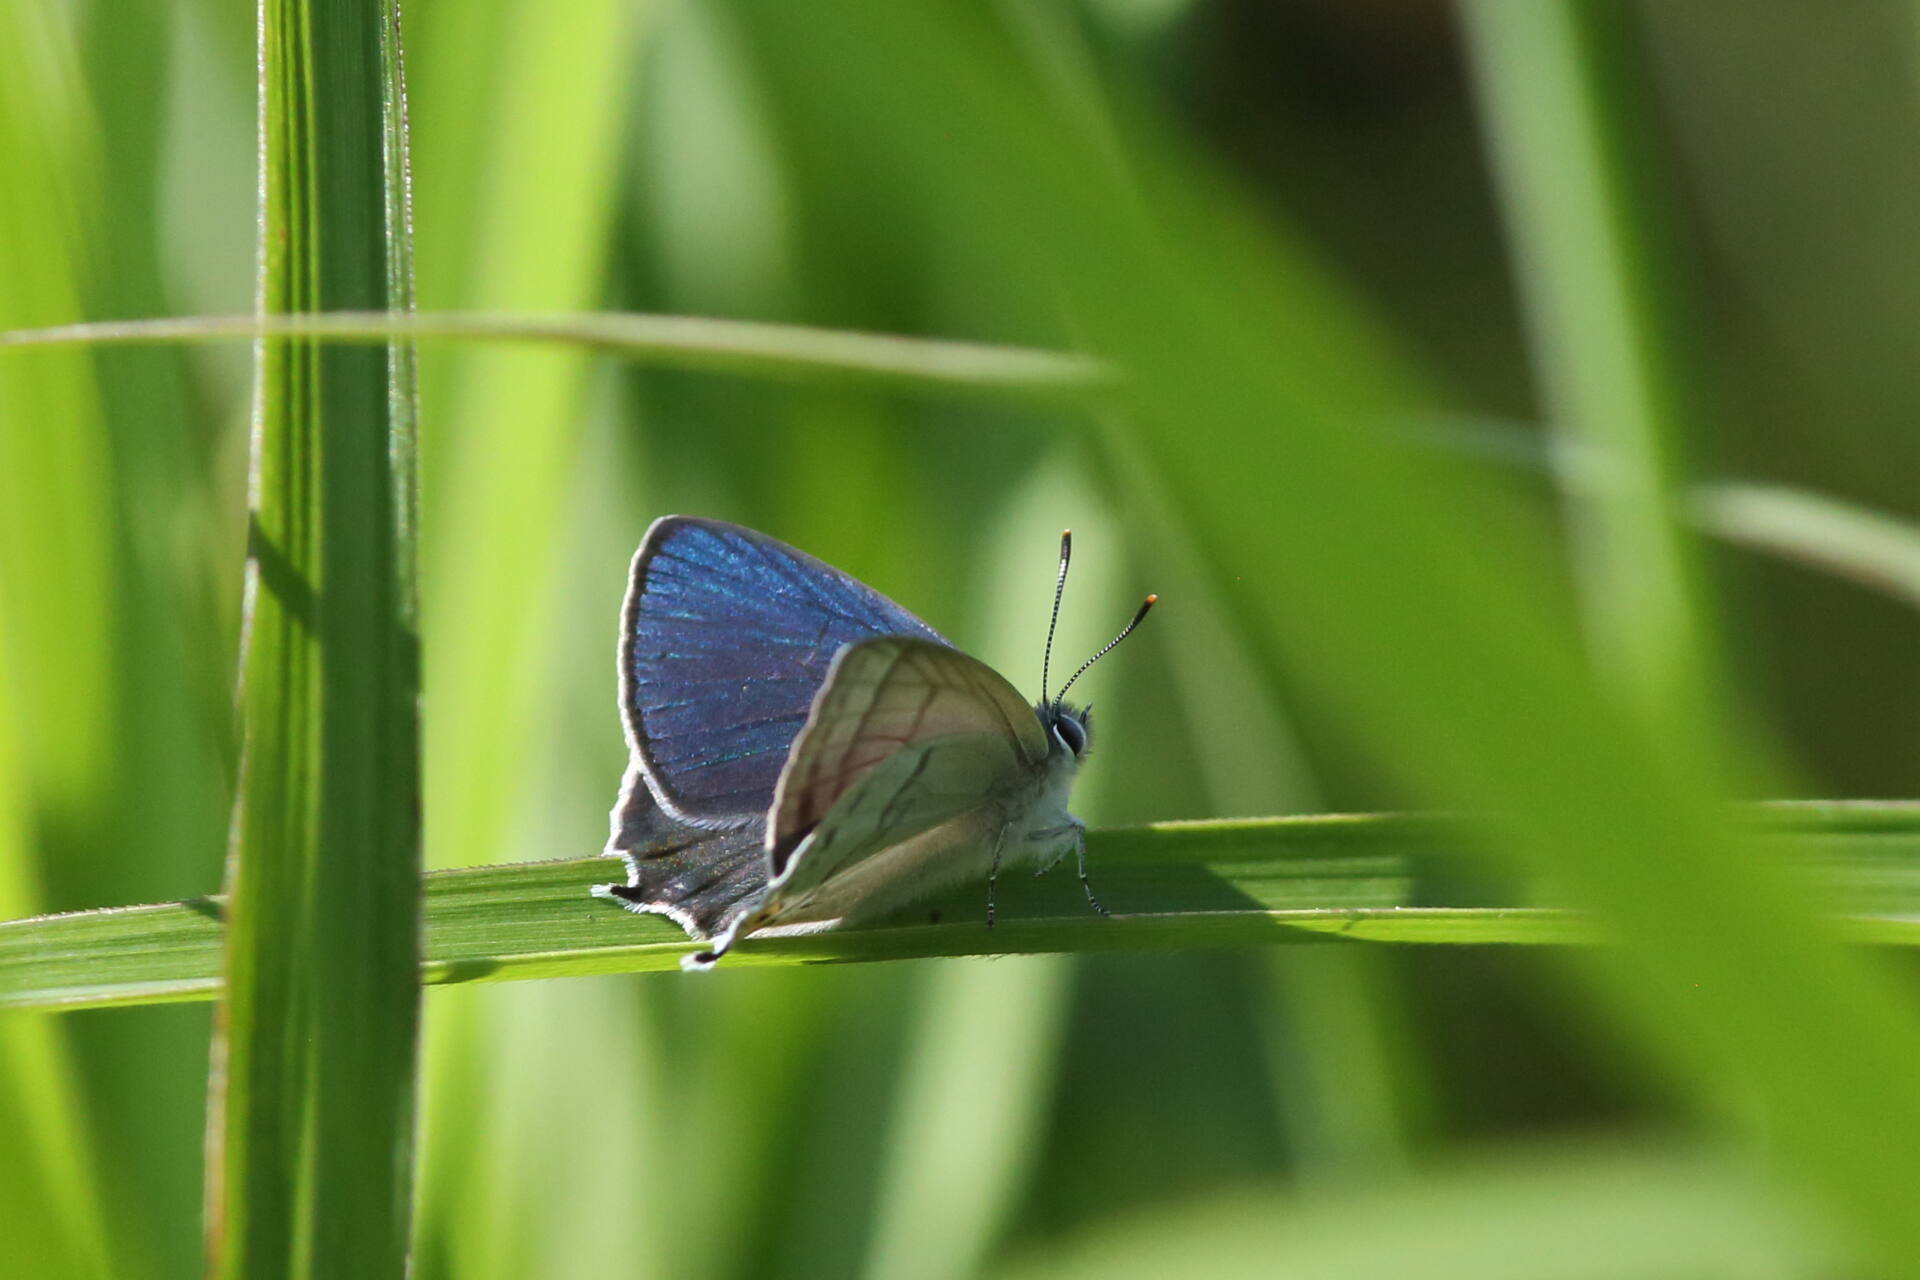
(1072, 733)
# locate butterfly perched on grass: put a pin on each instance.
(805, 751)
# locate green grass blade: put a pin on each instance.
(1398, 588)
(1172, 886)
(311, 1134)
(700, 344)
(1868, 547)
(55, 476)
(56, 677)
(1875, 550)
(1558, 86)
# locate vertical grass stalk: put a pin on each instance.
(1560, 87)
(56, 587)
(313, 1083)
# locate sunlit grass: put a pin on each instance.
(1172, 886)
(913, 287)
(311, 1110)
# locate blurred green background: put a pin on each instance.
(1340, 1110)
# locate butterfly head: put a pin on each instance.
(1070, 728)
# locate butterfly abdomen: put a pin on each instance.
(956, 852)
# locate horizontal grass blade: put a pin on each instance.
(1877, 551)
(1374, 878)
(787, 352)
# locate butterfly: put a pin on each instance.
(803, 751)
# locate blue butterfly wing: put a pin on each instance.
(727, 635)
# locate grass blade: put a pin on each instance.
(750, 348)
(55, 476)
(1398, 879)
(1398, 588)
(311, 1133)
(56, 676)
(1557, 83)
(1878, 551)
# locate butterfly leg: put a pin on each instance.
(1078, 830)
(993, 869)
(1080, 854)
(1048, 835)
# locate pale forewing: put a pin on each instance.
(880, 697)
(911, 792)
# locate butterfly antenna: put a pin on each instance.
(1059, 589)
(1125, 631)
